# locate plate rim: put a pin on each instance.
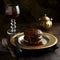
(12, 41)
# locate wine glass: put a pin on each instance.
(12, 12)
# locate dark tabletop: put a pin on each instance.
(55, 30)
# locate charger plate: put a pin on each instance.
(50, 40)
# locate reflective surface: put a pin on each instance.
(48, 40)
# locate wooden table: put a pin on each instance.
(55, 30)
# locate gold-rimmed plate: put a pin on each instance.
(48, 40)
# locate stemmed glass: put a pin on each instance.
(12, 12)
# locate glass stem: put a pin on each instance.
(13, 25)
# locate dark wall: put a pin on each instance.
(1, 7)
(31, 10)
(52, 8)
(38, 8)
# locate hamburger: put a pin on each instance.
(33, 36)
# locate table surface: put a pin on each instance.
(55, 30)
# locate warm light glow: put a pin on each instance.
(18, 10)
(49, 23)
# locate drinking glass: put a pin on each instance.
(12, 12)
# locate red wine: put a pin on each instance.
(12, 11)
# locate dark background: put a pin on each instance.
(31, 10)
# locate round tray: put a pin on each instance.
(50, 39)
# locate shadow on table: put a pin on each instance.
(38, 52)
